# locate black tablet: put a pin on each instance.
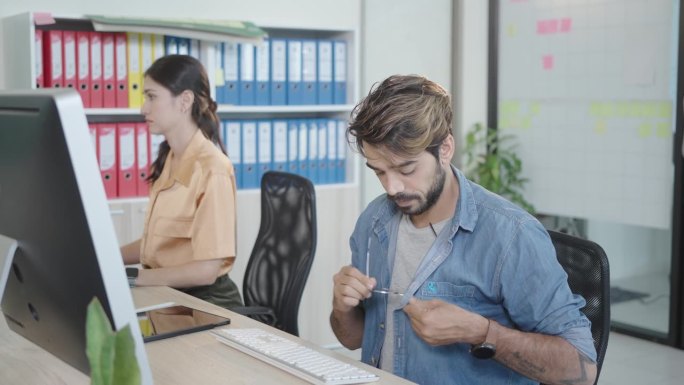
(173, 321)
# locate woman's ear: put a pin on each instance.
(187, 99)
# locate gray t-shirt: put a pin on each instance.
(412, 245)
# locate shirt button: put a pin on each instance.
(382, 325)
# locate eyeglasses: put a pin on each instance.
(377, 291)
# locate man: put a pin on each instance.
(450, 283)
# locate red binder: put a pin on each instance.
(106, 147)
(83, 66)
(108, 79)
(126, 162)
(39, 58)
(96, 100)
(52, 57)
(143, 158)
(69, 58)
(121, 73)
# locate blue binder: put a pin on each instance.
(265, 148)
(322, 163)
(171, 45)
(331, 125)
(231, 71)
(246, 96)
(280, 144)
(339, 72)
(250, 174)
(303, 148)
(294, 72)
(278, 71)
(312, 138)
(183, 46)
(341, 153)
(292, 146)
(262, 63)
(325, 72)
(309, 72)
(233, 144)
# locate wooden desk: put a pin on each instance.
(195, 358)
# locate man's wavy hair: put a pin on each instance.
(406, 114)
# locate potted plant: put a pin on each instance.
(491, 161)
(111, 354)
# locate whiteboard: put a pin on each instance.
(589, 89)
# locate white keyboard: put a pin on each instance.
(292, 357)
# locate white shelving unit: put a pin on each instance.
(338, 205)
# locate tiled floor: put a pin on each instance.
(633, 361)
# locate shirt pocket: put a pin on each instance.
(434, 289)
(173, 227)
(465, 296)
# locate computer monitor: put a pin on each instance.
(53, 205)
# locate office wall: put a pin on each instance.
(403, 37)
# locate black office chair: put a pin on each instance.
(586, 264)
(283, 251)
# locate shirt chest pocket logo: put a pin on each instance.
(446, 289)
(173, 228)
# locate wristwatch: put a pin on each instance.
(132, 274)
(486, 349)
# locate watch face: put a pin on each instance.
(483, 351)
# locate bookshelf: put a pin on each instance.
(338, 204)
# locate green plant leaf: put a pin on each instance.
(99, 344)
(126, 370)
(111, 354)
(491, 161)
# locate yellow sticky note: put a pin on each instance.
(595, 109)
(534, 108)
(650, 110)
(665, 109)
(219, 77)
(621, 109)
(663, 130)
(526, 123)
(511, 30)
(600, 127)
(645, 129)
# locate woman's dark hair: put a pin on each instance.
(178, 73)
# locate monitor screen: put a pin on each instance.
(53, 207)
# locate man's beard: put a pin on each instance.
(433, 194)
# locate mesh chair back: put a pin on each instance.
(586, 264)
(284, 248)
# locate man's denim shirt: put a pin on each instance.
(494, 259)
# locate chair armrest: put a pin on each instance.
(260, 313)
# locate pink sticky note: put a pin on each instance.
(552, 26)
(565, 24)
(43, 18)
(547, 62)
(541, 27)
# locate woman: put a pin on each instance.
(189, 238)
